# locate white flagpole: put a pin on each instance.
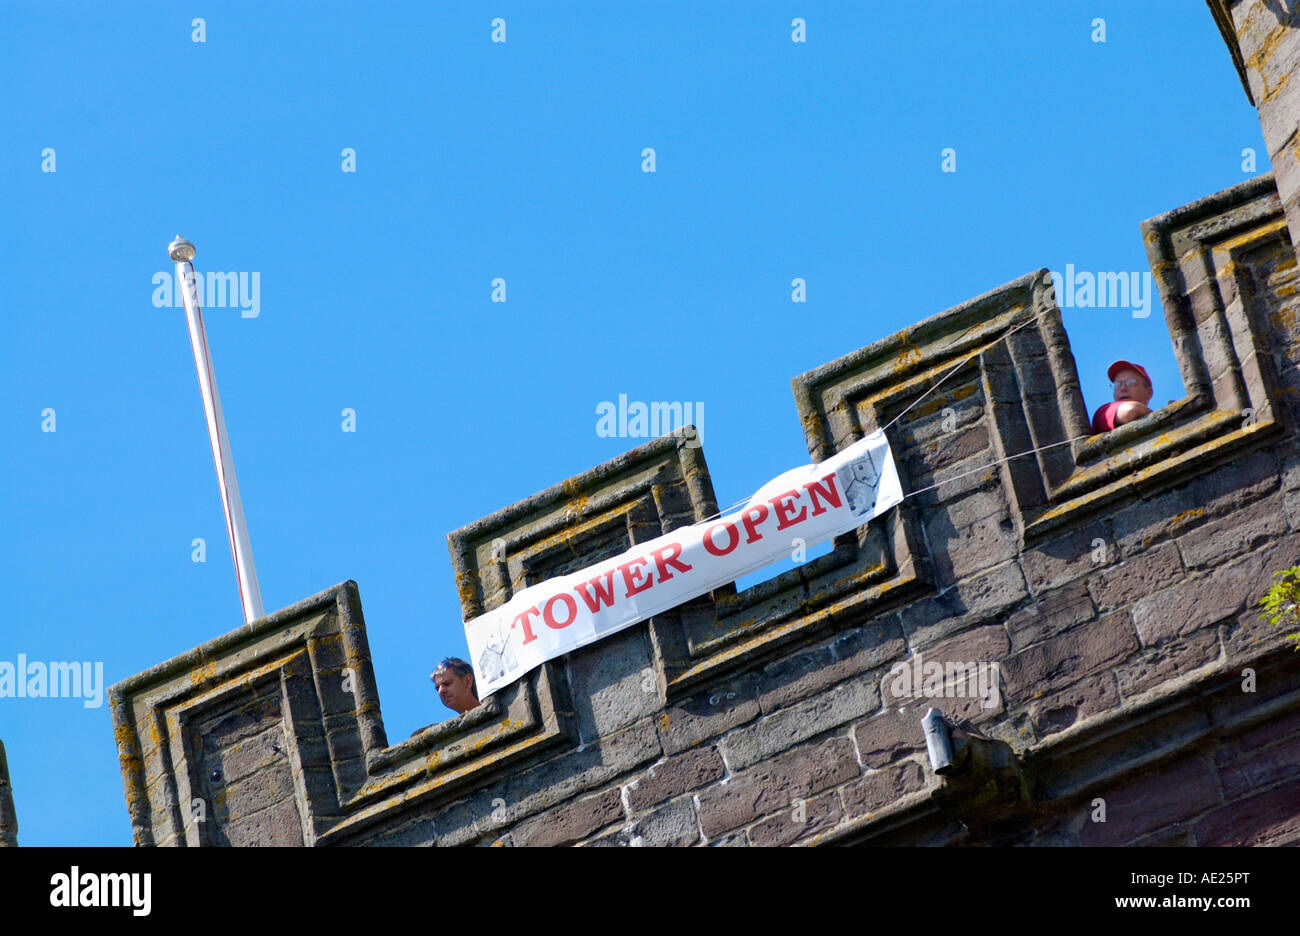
(250, 596)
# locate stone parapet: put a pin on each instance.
(1081, 610)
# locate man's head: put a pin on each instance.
(454, 679)
(1130, 382)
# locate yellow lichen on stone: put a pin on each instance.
(203, 672)
(908, 357)
(1267, 49)
(940, 401)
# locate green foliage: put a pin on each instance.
(1281, 603)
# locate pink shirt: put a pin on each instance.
(1104, 419)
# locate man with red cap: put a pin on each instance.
(1132, 394)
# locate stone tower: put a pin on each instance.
(1265, 46)
(8, 819)
(1106, 583)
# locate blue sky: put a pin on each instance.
(520, 160)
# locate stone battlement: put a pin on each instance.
(1107, 583)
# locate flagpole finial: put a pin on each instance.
(180, 250)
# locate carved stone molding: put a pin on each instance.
(271, 734)
(1004, 357)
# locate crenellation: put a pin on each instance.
(1099, 592)
(8, 817)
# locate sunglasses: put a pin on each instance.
(447, 665)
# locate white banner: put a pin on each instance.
(812, 503)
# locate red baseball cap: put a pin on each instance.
(1120, 365)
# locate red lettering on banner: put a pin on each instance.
(783, 511)
(548, 613)
(832, 496)
(603, 596)
(522, 618)
(629, 576)
(733, 538)
(754, 535)
(662, 562)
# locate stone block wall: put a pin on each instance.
(8, 820)
(1264, 42)
(1101, 587)
(1104, 674)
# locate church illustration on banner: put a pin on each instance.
(498, 657)
(859, 480)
